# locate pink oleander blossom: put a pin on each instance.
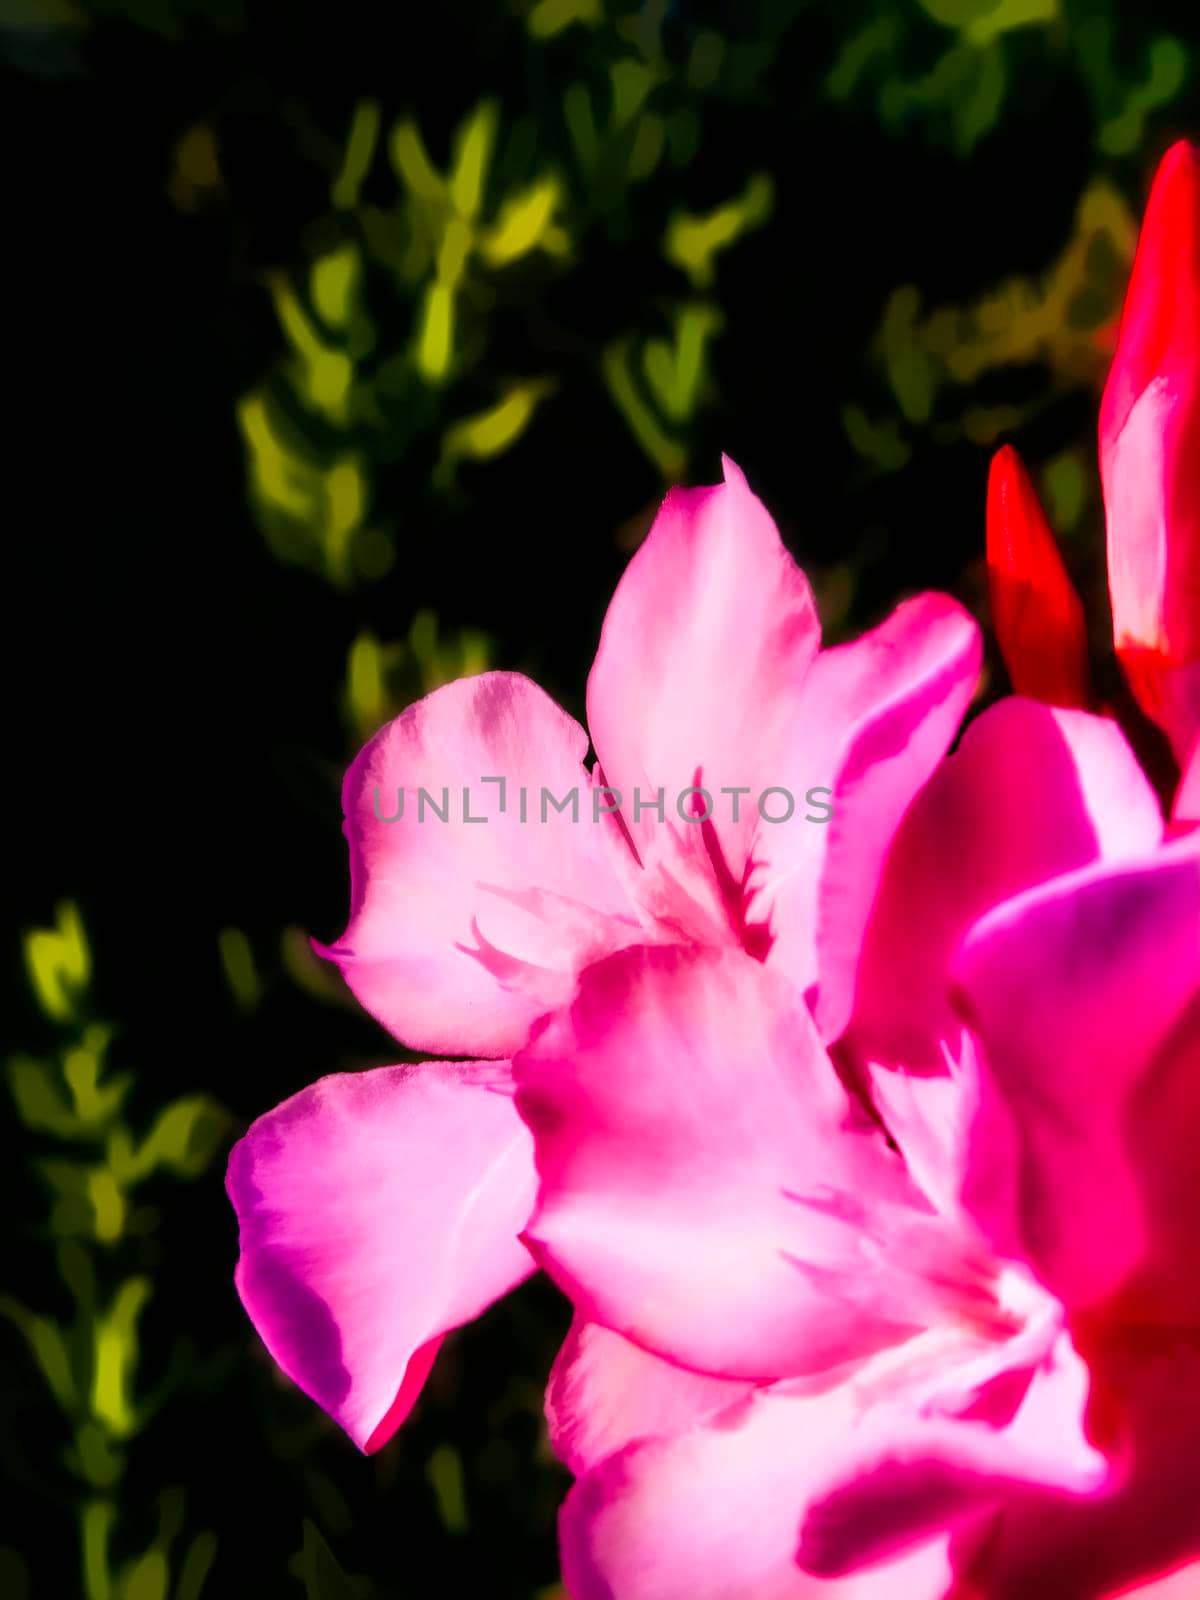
(954, 1311)
(912, 1310)
(865, 1150)
(380, 1210)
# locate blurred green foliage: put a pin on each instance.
(93, 1167)
(388, 327)
(363, 342)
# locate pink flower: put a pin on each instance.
(925, 1324)
(948, 1346)
(789, 1362)
(381, 1210)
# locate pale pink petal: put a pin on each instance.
(1031, 793)
(697, 680)
(1083, 994)
(707, 1187)
(875, 718)
(934, 1120)
(605, 1392)
(463, 931)
(1181, 1583)
(378, 1210)
(714, 1514)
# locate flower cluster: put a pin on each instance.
(867, 1152)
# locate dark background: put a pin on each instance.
(179, 711)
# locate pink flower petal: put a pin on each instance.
(1187, 799)
(876, 716)
(462, 932)
(1181, 1583)
(698, 677)
(714, 1514)
(849, 1492)
(1030, 794)
(605, 1392)
(378, 1210)
(1083, 993)
(707, 1188)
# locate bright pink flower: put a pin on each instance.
(379, 1211)
(962, 1361)
(1150, 457)
(709, 675)
(711, 1194)
(1036, 612)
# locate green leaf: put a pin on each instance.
(59, 963)
(693, 241)
(146, 1578)
(318, 1571)
(184, 1140)
(360, 151)
(445, 1473)
(41, 1104)
(115, 1357)
(197, 1564)
(48, 1346)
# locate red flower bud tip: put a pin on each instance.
(1150, 458)
(1036, 612)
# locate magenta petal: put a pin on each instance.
(876, 717)
(701, 662)
(1153, 513)
(377, 1211)
(605, 1392)
(938, 1452)
(1187, 798)
(697, 1154)
(1084, 995)
(464, 930)
(1030, 794)
(1141, 1542)
(714, 1514)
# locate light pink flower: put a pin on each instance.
(379, 1211)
